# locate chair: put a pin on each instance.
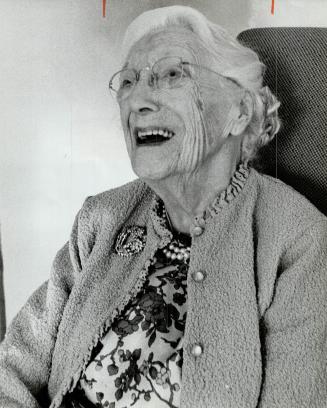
(296, 72)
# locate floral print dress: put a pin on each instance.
(138, 362)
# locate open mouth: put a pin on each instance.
(152, 136)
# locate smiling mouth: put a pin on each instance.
(152, 136)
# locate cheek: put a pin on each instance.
(123, 116)
(212, 121)
(217, 114)
(125, 126)
(194, 141)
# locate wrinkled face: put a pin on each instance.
(174, 131)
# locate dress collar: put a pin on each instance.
(225, 197)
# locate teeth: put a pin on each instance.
(165, 133)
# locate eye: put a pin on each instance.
(170, 76)
(126, 83)
(126, 79)
(173, 73)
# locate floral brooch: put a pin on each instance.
(130, 241)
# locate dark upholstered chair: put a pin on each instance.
(297, 73)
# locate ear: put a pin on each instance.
(243, 114)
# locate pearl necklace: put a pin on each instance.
(177, 251)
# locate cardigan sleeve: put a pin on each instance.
(26, 352)
(294, 341)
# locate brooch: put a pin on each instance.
(131, 241)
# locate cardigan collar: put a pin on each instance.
(223, 199)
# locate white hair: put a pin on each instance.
(235, 61)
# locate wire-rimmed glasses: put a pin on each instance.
(166, 73)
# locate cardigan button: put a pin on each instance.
(198, 276)
(197, 231)
(197, 350)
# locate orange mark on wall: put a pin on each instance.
(103, 8)
(272, 6)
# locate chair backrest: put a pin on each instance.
(2, 300)
(297, 73)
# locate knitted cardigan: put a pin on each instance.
(260, 314)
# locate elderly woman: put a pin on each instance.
(202, 283)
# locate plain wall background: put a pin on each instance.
(60, 137)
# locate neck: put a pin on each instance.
(187, 196)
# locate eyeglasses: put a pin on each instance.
(166, 73)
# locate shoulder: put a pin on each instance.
(122, 195)
(115, 202)
(280, 206)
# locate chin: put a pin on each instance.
(150, 172)
(153, 163)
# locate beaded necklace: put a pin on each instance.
(176, 249)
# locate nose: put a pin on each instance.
(142, 98)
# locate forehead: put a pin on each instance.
(172, 41)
